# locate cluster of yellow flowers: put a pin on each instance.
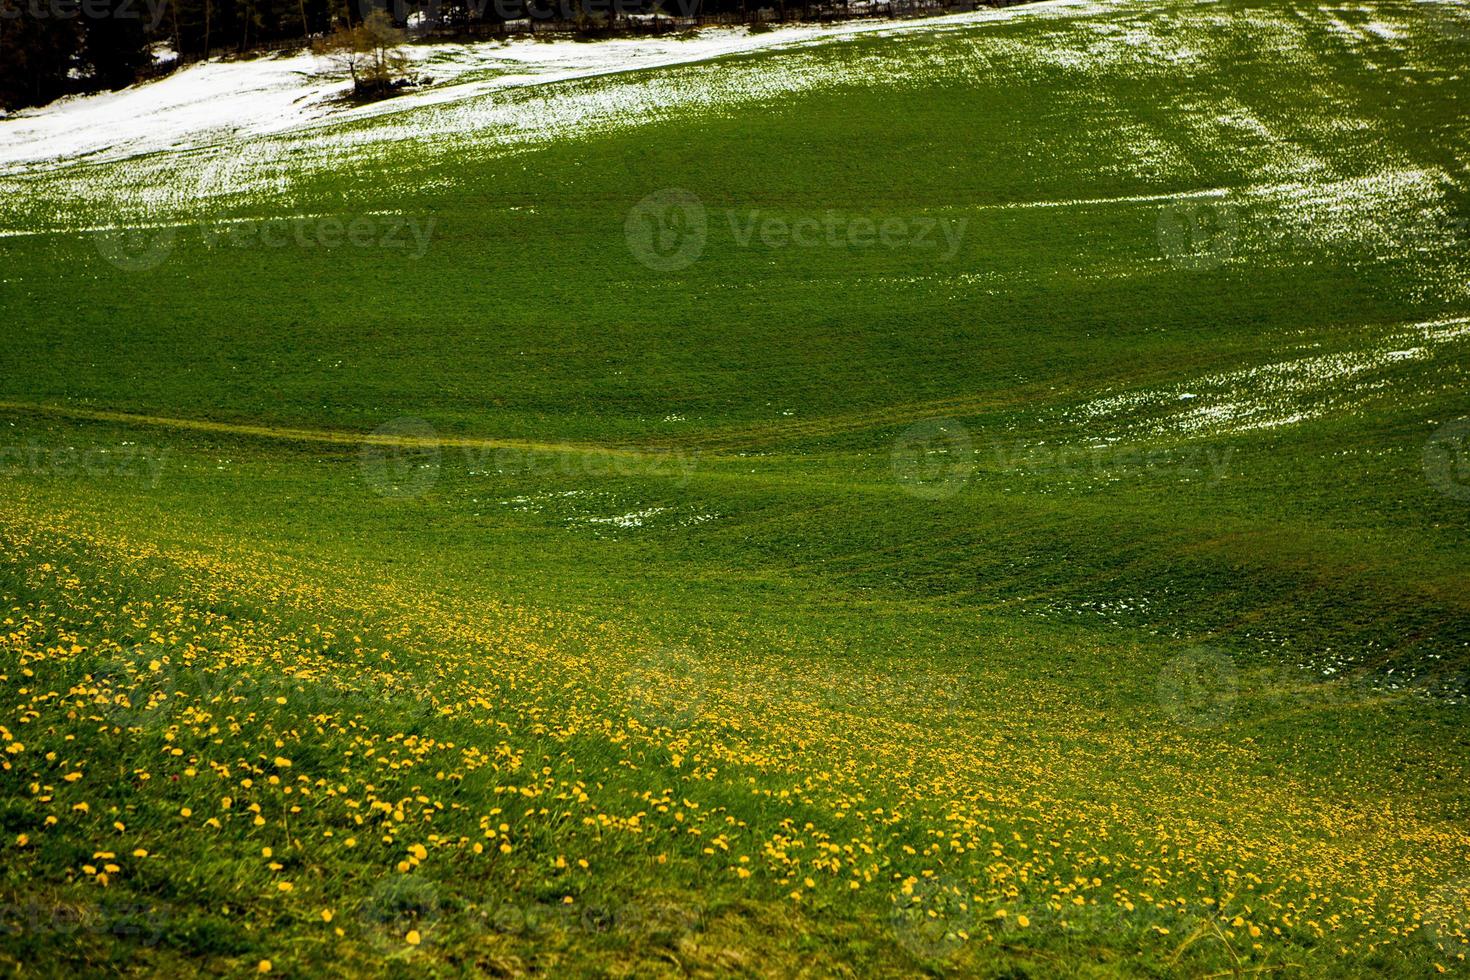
(324, 731)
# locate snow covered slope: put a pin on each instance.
(215, 101)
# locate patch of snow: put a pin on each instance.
(533, 502)
(211, 102)
(632, 519)
(1269, 396)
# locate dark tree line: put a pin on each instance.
(50, 48)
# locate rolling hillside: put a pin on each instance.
(975, 496)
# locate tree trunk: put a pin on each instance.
(173, 10)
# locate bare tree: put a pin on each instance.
(370, 53)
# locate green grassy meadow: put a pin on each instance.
(988, 498)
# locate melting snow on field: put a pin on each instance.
(631, 519)
(241, 135)
(207, 103)
(1269, 396)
